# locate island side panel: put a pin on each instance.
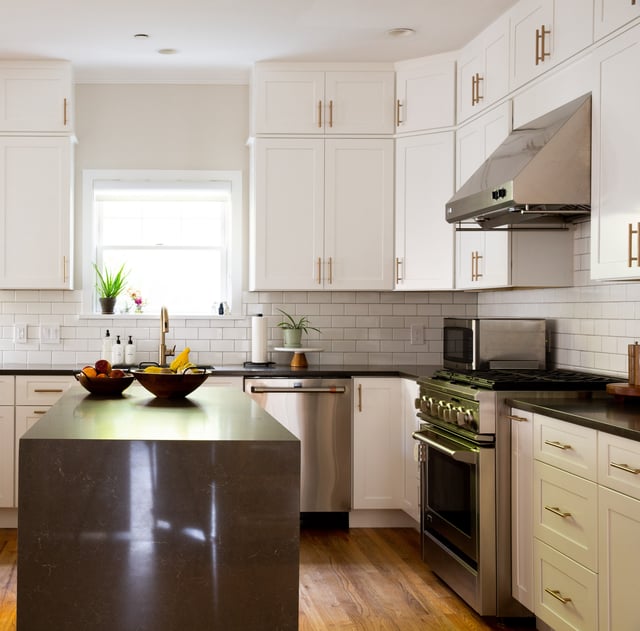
(155, 535)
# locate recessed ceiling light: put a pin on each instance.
(168, 51)
(401, 32)
(141, 36)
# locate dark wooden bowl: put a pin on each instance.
(170, 385)
(105, 386)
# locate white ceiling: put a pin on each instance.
(218, 40)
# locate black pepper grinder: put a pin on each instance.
(221, 309)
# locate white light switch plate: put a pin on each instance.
(49, 333)
(20, 333)
(417, 334)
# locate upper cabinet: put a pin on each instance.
(425, 94)
(612, 14)
(483, 69)
(615, 205)
(308, 101)
(545, 33)
(35, 97)
(35, 212)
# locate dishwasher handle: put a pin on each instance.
(320, 389)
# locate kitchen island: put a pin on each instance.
(138, 513)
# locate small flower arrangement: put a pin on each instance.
(136, 297)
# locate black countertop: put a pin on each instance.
(276, 370)
(606, 413)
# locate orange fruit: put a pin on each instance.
(89, 371)
(102, 374)
(116, 373)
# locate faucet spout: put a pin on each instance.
(163, 352)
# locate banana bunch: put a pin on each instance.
(181, 362)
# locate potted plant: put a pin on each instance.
(109, 285)
(292, 329)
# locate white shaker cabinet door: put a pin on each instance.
(6, 456)
(288, 214)
(424, 239)
(612, 14)
(35, 212)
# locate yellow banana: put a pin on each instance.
(180, 360)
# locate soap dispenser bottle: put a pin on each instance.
(106, 347)
(130, 353)
(117, 352)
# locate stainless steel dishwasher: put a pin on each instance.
(318, 412)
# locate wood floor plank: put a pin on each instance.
(363, 579)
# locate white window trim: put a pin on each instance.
(90, 224)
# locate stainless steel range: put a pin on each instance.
(465, 445)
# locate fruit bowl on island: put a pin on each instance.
(166, 384)
(102, 380)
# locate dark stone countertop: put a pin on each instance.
(276, 370)
(605, 413)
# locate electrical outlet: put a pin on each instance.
(20, 333)
(417, 334)
(50, 333)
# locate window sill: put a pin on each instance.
(156, 316)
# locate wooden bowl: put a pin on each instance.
(105, 386)
(170, 385)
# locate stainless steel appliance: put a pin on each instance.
(540, 174)
(465, 481)
(318, 412)
(483, 343)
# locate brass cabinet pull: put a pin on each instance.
(557, 595)
(359, 397)
(632, 258)
(331, 113)
(398, 264)
(557, 445)
(319, 271)
(48, 390)
(473, 90)
(541, 53)
(398, 106)
(520, 419)
(556, 511)
(320, 114)
(478, 97)
(40, 411)
(475, 265)
(330, 270)
(624, 467)
(65, 112)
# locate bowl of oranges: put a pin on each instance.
(103, 380)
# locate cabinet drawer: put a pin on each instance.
(558, 579)
(224, 382)
(565, 513)
(41, 389)
(7, 388)
(565, 445)
(619, 464)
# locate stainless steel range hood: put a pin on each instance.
(540, 174)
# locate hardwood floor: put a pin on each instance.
(364, 579)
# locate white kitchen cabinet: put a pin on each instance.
(612, 14)
(483, 69)
(522, 579)
(619, 464)
(424, 183)
(619, 559)
(7, 456)
(410, 497)
(425, 94)
(322, 215)
(531, 258)
(311, 101)
(36, 212)
(615, 204)
(545, 33)
(35, 96)
(377, 443)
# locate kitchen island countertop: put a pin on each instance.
(152, 514)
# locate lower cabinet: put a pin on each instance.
(377, 443)
(237, 383)
(6, 455)
(410, 491)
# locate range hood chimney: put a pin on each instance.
(540, 174)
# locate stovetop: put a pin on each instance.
(516, 379)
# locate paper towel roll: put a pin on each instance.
(258, 339)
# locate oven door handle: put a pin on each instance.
(461, 455)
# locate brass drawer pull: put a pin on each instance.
(520, 419)
(556, 511)
(557, 595)
(359, 397)
(330, 113)
(48, 390)
(624, 467)
(557, 444)
(39, 411)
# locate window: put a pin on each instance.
(177, 233)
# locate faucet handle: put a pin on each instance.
(170, 353)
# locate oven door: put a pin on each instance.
(449, 489)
